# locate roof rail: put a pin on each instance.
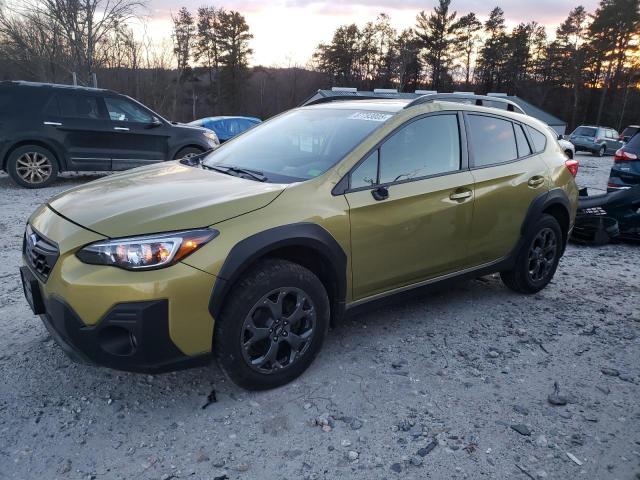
(339, 98)
(481, 100)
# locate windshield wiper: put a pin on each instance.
(237, 171)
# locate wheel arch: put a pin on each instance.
(556, 203)
(183, 147)
(22, 143)
(307, 244)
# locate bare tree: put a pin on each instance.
(82, 24)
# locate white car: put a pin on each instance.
(567, 146)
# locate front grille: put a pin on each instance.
(41, 254)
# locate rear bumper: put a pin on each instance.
(132, 336)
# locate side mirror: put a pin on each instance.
(155, 123)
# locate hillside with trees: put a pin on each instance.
(588, 71)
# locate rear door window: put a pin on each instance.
(75, 106)
(491, 140)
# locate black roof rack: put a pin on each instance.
(339, 98)
(480, 100)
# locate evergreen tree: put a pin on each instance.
(468, 28)
(491, 58)
(437, 32)
(233, 38)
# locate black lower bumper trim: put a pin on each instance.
(132, 336)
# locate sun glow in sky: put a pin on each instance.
(286, 32)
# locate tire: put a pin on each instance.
(534, 254)
(569, 154)
(32, 166)
(187, 152)
(601, 152)
(253, 350)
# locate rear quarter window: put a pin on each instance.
(539, 139)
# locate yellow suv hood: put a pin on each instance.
(161, 198)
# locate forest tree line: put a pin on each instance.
(589, 72)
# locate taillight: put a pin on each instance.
(572, 166)
(622, 156)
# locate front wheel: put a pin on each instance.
(538, 260)
(188, 152)
(272, 326)
(32, 166)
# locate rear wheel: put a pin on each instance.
(569, 154)
(600, 152)
(272, 326)
(188, 152)
(538, 259)
(32, 166)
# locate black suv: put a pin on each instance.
(48, 128)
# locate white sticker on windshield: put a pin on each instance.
(371, 116)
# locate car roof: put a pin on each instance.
(396, 106)
(43, 85)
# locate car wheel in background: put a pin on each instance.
(188, 152)
(601, 152)
(272, 325)
(538, 258)
(32, 166)
(569, 154)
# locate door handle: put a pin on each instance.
(121, 129)
(380, 193)
(460, 194)
(536, 181)
(55, 124)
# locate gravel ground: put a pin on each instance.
(448, 385)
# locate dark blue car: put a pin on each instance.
(227, 127)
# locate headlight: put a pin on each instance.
(212, 137)
(146, 252)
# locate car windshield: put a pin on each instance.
(585, 131)
(298, 145)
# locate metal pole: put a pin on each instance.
(94, 80)
(75, 79)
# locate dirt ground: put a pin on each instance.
(448, 385)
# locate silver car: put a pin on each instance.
(597, 140)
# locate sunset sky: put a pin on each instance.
(286, 32)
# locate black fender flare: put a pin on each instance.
(252, 248)
(556, 196)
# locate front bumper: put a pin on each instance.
(131, 336)
(147, 321)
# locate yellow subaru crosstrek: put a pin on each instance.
(249, 252)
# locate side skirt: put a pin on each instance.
(431, 284)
